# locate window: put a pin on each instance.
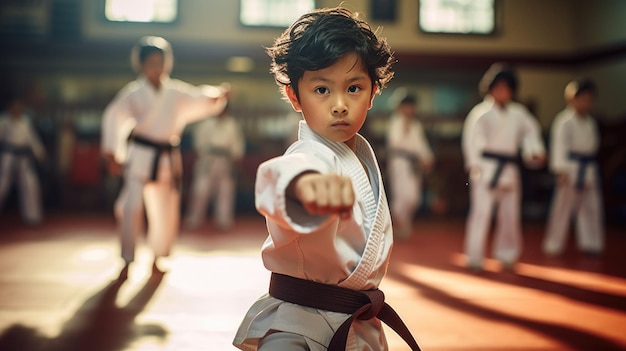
(457, 16)
(144, 11)
(272, 13)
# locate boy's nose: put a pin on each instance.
(340, 108)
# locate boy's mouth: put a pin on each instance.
(340, 124)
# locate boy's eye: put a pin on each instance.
(321, 90)
(354, 89)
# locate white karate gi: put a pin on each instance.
(406, 144)
(571, 133)
(353, 252)
(158, 115)
(17, 133)
(219, 142)
(502, 131)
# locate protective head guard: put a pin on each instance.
(497, 72)
(401, 96)
(579, 86)
(150, 44)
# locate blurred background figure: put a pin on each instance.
(20, 148)
(409, 156)
(219, 144)
(141, 130)
(493, 133)
(574, 144)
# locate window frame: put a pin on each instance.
(264, 25)
(494, 31)
(103, 16)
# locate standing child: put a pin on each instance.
(20, 146)
(574, 143)
(330, 232)
(493, 133)
(141, 130)
(220, 145)
(409, 157)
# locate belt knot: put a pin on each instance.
(374, 306)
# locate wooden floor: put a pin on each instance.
(59, 291)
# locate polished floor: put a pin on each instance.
(59, 290)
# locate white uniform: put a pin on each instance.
(18, 144)
(159, 116)
(353, 252)
(219, 142)
(406, 146)
(489, 132)
(573, 137)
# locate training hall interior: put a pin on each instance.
(67, 60)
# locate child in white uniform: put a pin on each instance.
(220, 145)
(409, 156)
(574, 143)
(493, 133)
(323, 200)
(141, 130)
(19, 147)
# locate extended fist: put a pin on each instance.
(323, 194)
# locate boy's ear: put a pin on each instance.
(291, 95)
(374, 91)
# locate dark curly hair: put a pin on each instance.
(319, 38)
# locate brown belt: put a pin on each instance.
(362, 305)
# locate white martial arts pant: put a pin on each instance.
(586, 205)
(406, 194)
(212, 178)
(283, 341)
(20, 169)
(161, 199)
(507, 245)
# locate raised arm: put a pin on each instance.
(203, 101)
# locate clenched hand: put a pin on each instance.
(323, 194)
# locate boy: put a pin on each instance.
(575, 141)
(141, 129)
(493, 133)
(220, 145)
(409, 156)
(330, 233)
(19, 147)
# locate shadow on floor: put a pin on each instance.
(98, 325)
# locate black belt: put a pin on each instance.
(361, 305)
(411, 157)
(583, 161)
(16, 150)
(502, 159)
(159, 148)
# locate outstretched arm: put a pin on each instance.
(323, 194)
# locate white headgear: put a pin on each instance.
(151, 41)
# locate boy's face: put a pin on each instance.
(153, 67)
(501, 92)
(408, 109)
(334, 101)
(583, 103)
